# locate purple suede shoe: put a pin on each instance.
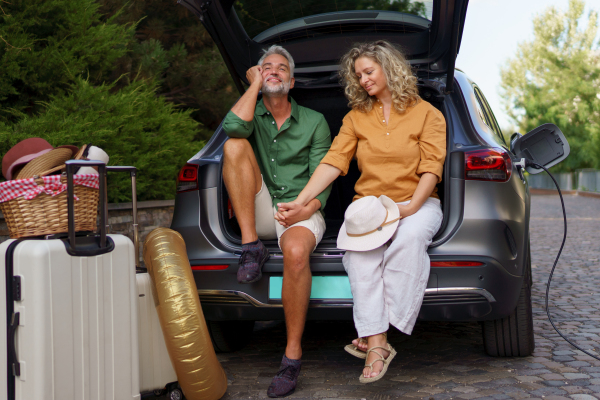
(252, 259)
(286, 379)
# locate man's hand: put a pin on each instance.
(254, 76)
(290, 213)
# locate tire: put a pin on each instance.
(512, 336)
(228, 336)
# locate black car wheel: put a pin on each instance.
(228, 336)
(512, 336)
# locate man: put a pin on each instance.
(274, 147)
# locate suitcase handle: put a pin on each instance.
(102, 170)
(136, 236)
(12, 350)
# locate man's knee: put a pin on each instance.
(296, 257)
(234, 148)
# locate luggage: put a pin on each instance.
(70, 306)
(156, 370)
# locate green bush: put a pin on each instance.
(133, 125)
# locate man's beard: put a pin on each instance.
(282, 89)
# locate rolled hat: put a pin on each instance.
(369, 223)
(96, 154)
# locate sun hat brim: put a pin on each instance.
(375, 239)
(45, 162)
(22, 161)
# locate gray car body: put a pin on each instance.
(484, 221)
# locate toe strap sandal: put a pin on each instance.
(386, 363)
(355, 351)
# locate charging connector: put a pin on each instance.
(522, 164)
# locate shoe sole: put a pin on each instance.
(356, 352)
(283, 395)
(260, 265)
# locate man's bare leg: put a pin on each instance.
(297, 244)
(243, 181)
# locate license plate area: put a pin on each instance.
(323, 288)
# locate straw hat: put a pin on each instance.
(24, 152)
(46, 163)
(369, 222)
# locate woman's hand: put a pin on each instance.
(424, 189)
(406, 210)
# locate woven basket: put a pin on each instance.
(47, 215)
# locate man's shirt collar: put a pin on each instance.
(261, 109)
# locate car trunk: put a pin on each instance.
(333, 105)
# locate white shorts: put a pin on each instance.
(267, 227)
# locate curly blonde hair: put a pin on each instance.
(400, 79)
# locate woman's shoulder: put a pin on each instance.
(426, 107)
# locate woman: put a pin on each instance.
(399, 141)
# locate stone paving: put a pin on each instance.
(446, 360)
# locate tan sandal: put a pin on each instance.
(386, 363)
(355, 351)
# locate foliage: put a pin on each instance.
(556, 78)
(133, 125)
(173, 48)
(46, 44)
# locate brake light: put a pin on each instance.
(188, 178)
(456, 263)
(209, 267)
(488, 165)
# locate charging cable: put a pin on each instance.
(526, 163)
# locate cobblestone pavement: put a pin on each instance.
(446, 360)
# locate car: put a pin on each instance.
(480, 257)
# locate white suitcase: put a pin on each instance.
(71, 317)
(156, 370)
(77, 329)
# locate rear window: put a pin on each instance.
(269, 21)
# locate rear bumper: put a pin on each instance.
(453, 294)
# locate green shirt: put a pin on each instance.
(287, 158)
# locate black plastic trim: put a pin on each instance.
(10, 308)
(89, 246)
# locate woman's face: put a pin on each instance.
(371, 76)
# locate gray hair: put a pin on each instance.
(282, 52)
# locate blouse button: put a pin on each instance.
(388, 133)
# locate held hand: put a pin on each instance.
(406, 210)
(254, 76)
(290, 213)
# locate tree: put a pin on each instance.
(556, 78)
(173, 48)
(58, 59)
(46, 44)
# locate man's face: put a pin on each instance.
(276, 76)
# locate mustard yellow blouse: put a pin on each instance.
(392, 154)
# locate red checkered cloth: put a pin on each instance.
(52, 186)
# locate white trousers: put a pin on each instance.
(388, 283)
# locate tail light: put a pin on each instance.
(188, 178)
(456, 264)
(488, 165)
(209, 267)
